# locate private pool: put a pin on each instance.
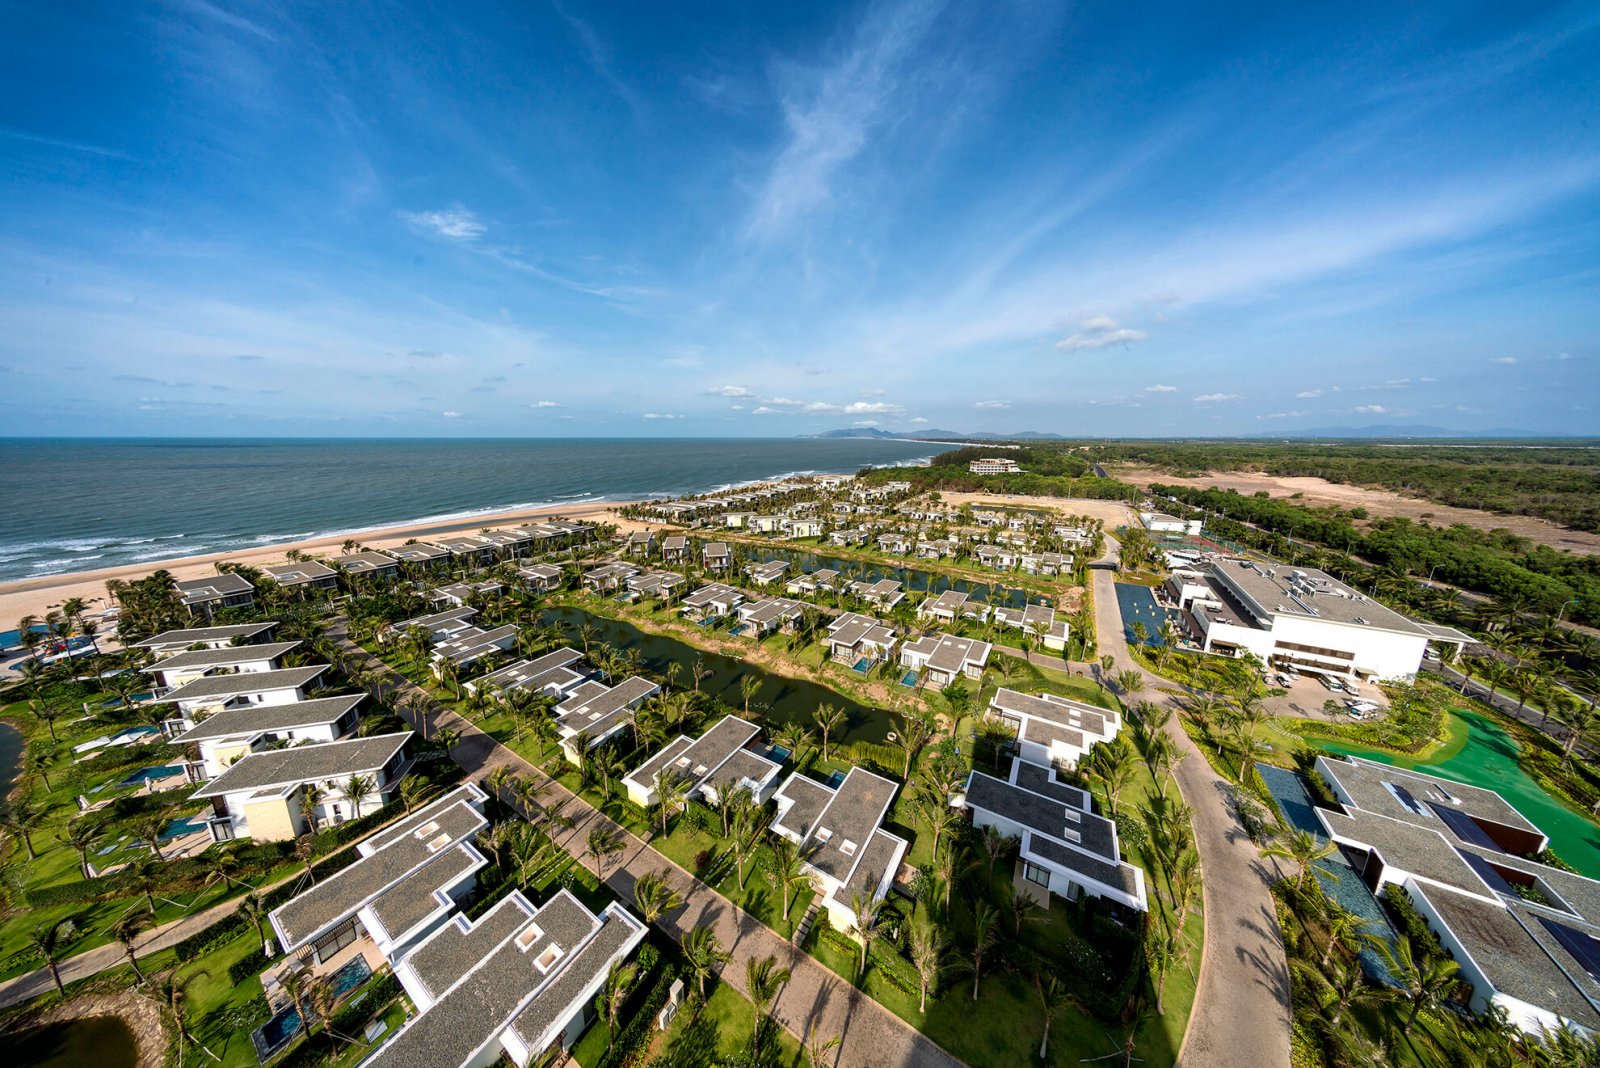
(273, 1035)
(144, 775)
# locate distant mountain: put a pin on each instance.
(1391, 430)
(935, 435)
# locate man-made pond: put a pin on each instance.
(10, 757)
(102, 1041)
(780, 701)
(1489, 759)
(911, 578)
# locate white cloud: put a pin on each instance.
(1427, 378)
(992, 405)
(1284, 415)
(1213, 398)
(735, 407)
(451, 415)
(729, 391)
(865, 422)
(764, 410)
(1506, 360)
(1371, 409)
(1099, 332)
(919, 419)
(1308, 394)
(544, 404)
(1158, 388)
(661, 415)
(455, 222)
(853, 408)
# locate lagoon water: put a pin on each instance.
(81, 504)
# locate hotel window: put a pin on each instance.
(1035, 874)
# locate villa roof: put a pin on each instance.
(247, 721)
(186, 636)
(212, 686)
(276, 768)
(298, 574)
(227, 656)
(1414, 796)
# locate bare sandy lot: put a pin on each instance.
(1111, 513)
(36, 596)
(1380, 503)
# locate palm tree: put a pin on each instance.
(654, 897)
(150, 828)
(356, 789)
(1053, 1000)
(795, 738)
(254, 909)
(39, 763)
(1130, 681)
(915, 730)
(127, 930)
(47, 713)
(788, 869)
(928, 946)
(601, 843)
(745, 841)
(22, 818)
(1304, 849)
(985, 930)
(447, 738)
(1423, 983)
(1112, 764)
(749, 686)
(297, 984)
(818, 1048)
(703, 954)
(864, 911)
(173, 991)
(619, 980)
(83, 836)
(47, 940)
(828, 719)
(605, 763)
(763, 981)
(413, 789)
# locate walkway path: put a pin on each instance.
(871, 1036)
(1241, 1009)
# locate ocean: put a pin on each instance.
(81, 504)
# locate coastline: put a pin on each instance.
(36, 596)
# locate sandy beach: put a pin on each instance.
(36, 596)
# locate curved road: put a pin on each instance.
(1241, 1009)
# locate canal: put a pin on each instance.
(780, 701)
(911, 578)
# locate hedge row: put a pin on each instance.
(635, 1035)
(250, 964)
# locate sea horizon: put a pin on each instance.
(79, 504)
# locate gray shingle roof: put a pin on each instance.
(247, 720)
(306, 763)
(225, 657)
(213, 686)
(197, 635)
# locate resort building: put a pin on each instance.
(211, 693)
(884, 593)
(279, 794)
(641, 543)
(1036, 622)
(992, 465)
(943, 658)
(951, 606)
(367, 565)
(541, 578)
(439, 626)
(821, 580)
(716, 556)
(1300, 618)
(223, 738)
(770, 614)
(474, 550)
(656, 584)
(608, 577)
(419, 555)
(303, 576)
(1162, 523)
(846, 851)
(674, 548)
(595, 712)
(802, 528)
(725, 758)
(767, 572)
(1526, 935)
(1051, 730)
(853, 637)
(459, 594)
(713, 600)
(471, 645)
(1066, 849)
(172, 641)
(551, 674)
(517, 982)
(173, 671)
(210, 595)
(1044, 563)
(411, 876)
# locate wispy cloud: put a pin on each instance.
(992, 404)
(661, 415)
(1308, 394)
(830, 114)
(544, 404)
(451, 415)
(1370, 409)
(1160, 389)
(64, 143)
(1216, 398)
(1099, 332)
(1506, 360)
(456, 223)
(729, 391)
(1284, 415)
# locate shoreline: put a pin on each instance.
(36, 596)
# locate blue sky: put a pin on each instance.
(770, 219)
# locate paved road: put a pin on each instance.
(871, 1035)
(1241, 1010)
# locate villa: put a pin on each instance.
(1035, 621)
(471, 645)
(279, 794)
(1052, 730)
(712, 600)
(947, 607)
(724, 758)
(210, 595)
(551, 674)
(458, 594)
(674, 549)
(852, 637)
(409, 879)
(657, 584)
(944, 658)
(517, 982)
(596, 711)
(210, 693)
(846, 851)
(418, 554)
(302, 577)
(767, 572)
(641, 543)
(227, 736)
(716, 556)
(541, 578)
(770, 614)
(608, 577)
(1066, 849)
(363, 564)
(173, 671)
(884, 593)
(814, 582)
(471, 549)
(440, 626)
(171, 641)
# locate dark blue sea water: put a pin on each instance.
(76, 505)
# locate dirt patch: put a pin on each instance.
(1111, 513)
(1379, 503)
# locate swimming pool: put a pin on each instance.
(273, 1035)
(909, 679)
(144, 775)
(182, 826)
(1138, 605)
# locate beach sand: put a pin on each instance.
(36, 596)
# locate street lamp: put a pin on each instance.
(1431, 570)
(1563, 611)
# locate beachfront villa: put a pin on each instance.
(223, 738)
(209, 595)
(725, 758)
(302, 577)
(213, 693)
(367, 564)
(181, 667)
(173, 641)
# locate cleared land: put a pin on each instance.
(1380, 503)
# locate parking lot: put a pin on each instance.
(1305, 697)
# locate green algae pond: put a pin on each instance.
(1479, 753)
